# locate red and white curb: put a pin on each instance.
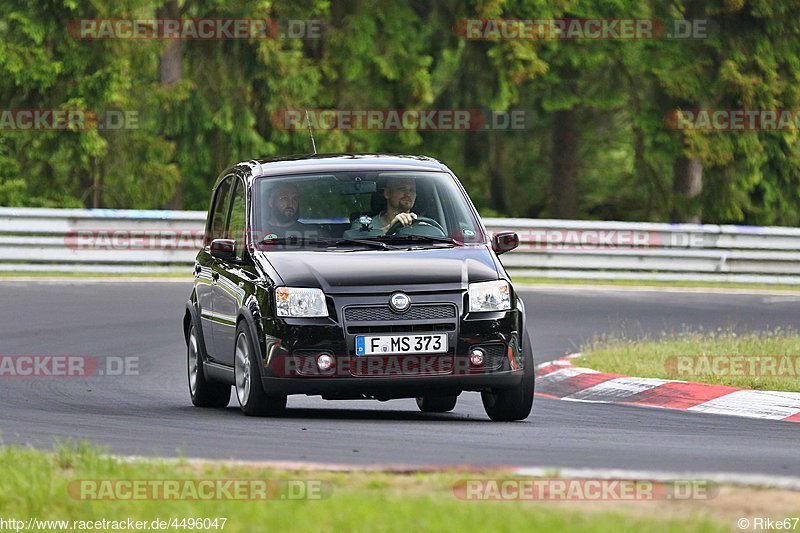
(561, 379)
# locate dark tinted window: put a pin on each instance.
(238, 220)
(219, 211)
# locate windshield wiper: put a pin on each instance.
(366, 242)
(417, 238)
(314, 241)
(296, 241)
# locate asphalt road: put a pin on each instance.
(150, 414)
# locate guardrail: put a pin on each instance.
(103, 240)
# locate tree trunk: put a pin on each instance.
(566, 139)
(497, 172)
(170, 71)
(687, 183)
(170, 67)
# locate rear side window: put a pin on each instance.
(238, 222)
(219, 211)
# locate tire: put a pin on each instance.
(437, 404)
(506, 405)
(247, 375)
(204, 393)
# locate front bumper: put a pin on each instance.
(291, 347)
(385, 388)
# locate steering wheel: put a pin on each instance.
(423, 221)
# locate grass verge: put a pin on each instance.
(768, 360)
(35, 484)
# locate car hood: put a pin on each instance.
(363, 271)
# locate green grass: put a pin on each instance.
(655, 283)
(34, 484)
(690, 356)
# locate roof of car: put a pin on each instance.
(338, 162)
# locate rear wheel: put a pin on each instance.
(505, 405)
(204, 393)
(436, 404)
(252, 398)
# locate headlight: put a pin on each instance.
(295, 302)
(489, 296)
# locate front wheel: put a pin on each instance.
(252, 398)
(505, 405)
(204, 393)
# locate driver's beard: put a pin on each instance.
(283, 218)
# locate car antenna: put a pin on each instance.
(310, 132)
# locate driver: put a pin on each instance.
(400, 194)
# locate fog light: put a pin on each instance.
(324, 362)
(476, 357)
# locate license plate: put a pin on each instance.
(400, 344)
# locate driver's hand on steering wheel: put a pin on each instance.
(406, 219)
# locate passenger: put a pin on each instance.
(284, 210)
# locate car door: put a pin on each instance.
(228, 287)
(205, 269)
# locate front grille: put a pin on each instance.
(379, 313)
(403, 328)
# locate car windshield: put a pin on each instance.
(362, 210)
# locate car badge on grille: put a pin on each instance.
(399, 302)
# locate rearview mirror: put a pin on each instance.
(505, 241)
(356, 187)
(224, 249)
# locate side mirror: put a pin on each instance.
(224, 249)
(505, 241)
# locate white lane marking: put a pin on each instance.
(522, 287)
(551, 366)
(555, 362)
(561, 361)
(727, 478)
(753, 404)
(564, 373)
(92, 281)
(730, 478)
(781, 299)
(616, 389)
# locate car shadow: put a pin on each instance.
(300, 413)
(311, 413)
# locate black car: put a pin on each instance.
(352, 277)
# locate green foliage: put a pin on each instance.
(406, 55)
